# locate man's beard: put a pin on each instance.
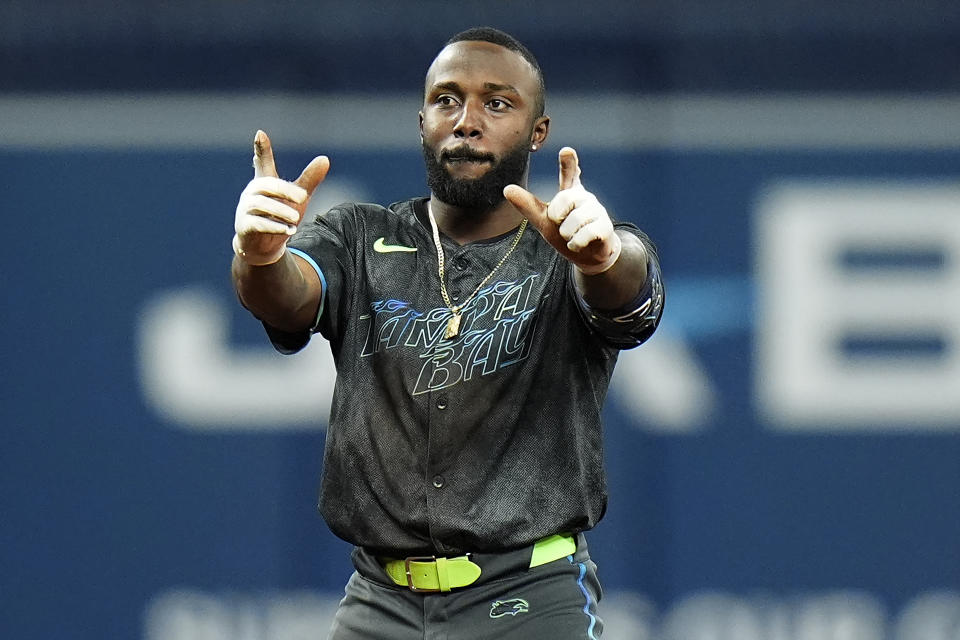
(475, 194)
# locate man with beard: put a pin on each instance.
(463, 457)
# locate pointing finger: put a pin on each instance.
(263, 164)
(313, 174)
(531, 207)
(569, 169)
(534, 210)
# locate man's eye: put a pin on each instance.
(446, 101)
(497, 104)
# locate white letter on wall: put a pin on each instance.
(193, 376)
(859, 306)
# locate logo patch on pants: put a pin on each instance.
(512, 607)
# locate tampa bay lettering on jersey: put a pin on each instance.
(494, 333)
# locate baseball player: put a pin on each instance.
(474, 333)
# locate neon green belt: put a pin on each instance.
(432, 574)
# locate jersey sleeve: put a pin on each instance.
(327, 245)
(634, 323)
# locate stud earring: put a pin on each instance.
(533, 148)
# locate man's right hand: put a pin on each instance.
(270, 209)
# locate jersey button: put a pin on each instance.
(438, 482)
(441, 403)
(460, 264)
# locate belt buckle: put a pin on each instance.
(406, 565)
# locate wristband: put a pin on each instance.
(243, 254)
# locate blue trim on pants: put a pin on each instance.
(586, 594)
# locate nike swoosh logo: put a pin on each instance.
(380, 247)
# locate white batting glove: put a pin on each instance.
(270, 209)
(574, 222)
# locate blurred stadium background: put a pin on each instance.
(784, 455)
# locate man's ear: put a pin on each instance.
(541, 128)
(421, 125)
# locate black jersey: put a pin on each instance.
(481, 442)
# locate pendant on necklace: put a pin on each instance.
(453, 326)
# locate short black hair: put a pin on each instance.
(507, 41)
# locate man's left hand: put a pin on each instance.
(574, 222)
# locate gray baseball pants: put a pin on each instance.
(510, 601)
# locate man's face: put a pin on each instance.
(478, 123)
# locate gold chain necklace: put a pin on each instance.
(453, 324)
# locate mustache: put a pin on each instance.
(464, 152)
